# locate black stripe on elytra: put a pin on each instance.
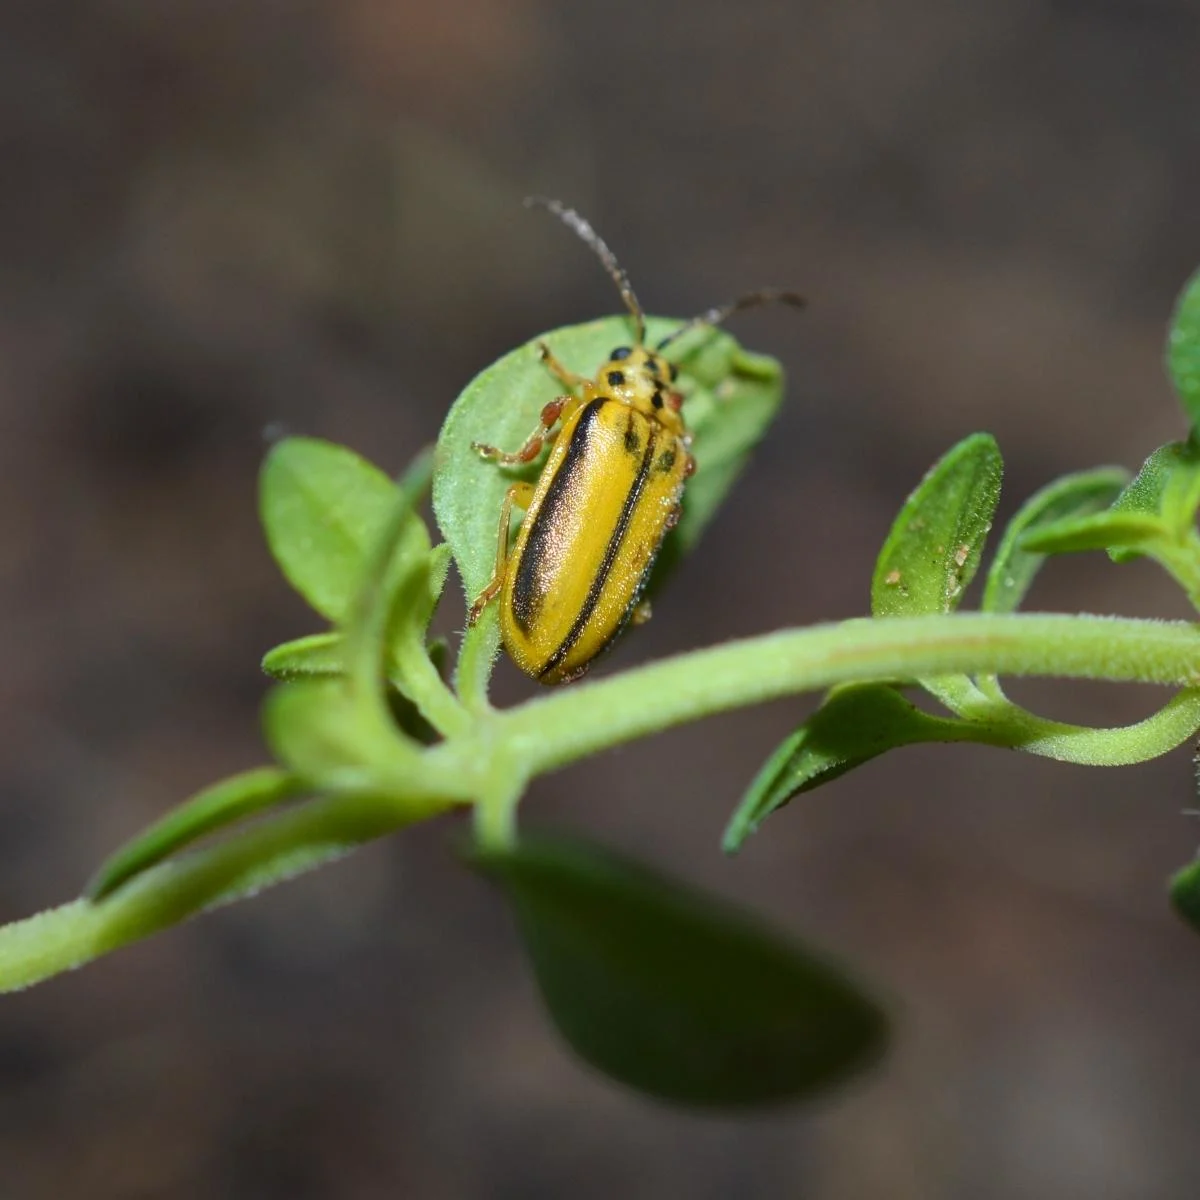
(610, 558)
(527, 596)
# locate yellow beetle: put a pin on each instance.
(608, 493)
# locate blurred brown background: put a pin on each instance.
(222, 215)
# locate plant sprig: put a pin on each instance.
(672, 993)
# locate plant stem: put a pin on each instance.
(478, 651)
(296, 841)
(551, 732)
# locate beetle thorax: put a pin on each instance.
(643, 380)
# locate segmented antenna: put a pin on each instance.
(581, 227)
(715, 316)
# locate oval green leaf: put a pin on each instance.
(1110, 530)
(318, 656)
(732, 396)
(1015, 566)
(323, 734)
(1185, 894)
(324, 509)
(934, 547)
(216, 807)
(672, 993)
(1183, 349)
(856, 722)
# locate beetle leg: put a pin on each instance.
(569, 378)
(519, 494)
(533, 444)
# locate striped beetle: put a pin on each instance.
(609, 491)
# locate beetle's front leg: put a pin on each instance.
(564, 376)
(532, 447)
(519, 494)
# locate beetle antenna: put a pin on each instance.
(584, 230)
(715, 316)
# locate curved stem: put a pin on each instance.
(551, 732)
(1118, 746)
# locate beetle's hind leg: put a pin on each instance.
(532, 447)
(519, 494)
(565, 377)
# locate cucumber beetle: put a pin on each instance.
(609, 491)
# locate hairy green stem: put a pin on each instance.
(492, 763)
(296, 841)
(568, 725)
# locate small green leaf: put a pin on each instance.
(673, 993)
(857, 722)
(264, 854)
(321, 655)
(1183, 349)
(1015, 566)
(323, 509)
(1185, 894)
(1102, 531)
(732, 397)
(317, 729)
(318, 656)
(1173, 485)
(934, 547)
(214, 808)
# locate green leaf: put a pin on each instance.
(318, 656)
(671, 992)
(856, 722)
(265, 854)
(934, 547)
(1111, 530)
(731, 398)
(1185, 894)
(323, 509)
(317, 729)
(216, 807)
(1015, 566)
(321, 655)
(1183, 349)
(1157, 506)
(1168, 485)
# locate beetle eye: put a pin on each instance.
(620, 352)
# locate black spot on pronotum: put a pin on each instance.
(615, 378)
(657, 400)
(666, 460)
(620, 352)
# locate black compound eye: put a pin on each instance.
(615, 378)
(620, 352)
